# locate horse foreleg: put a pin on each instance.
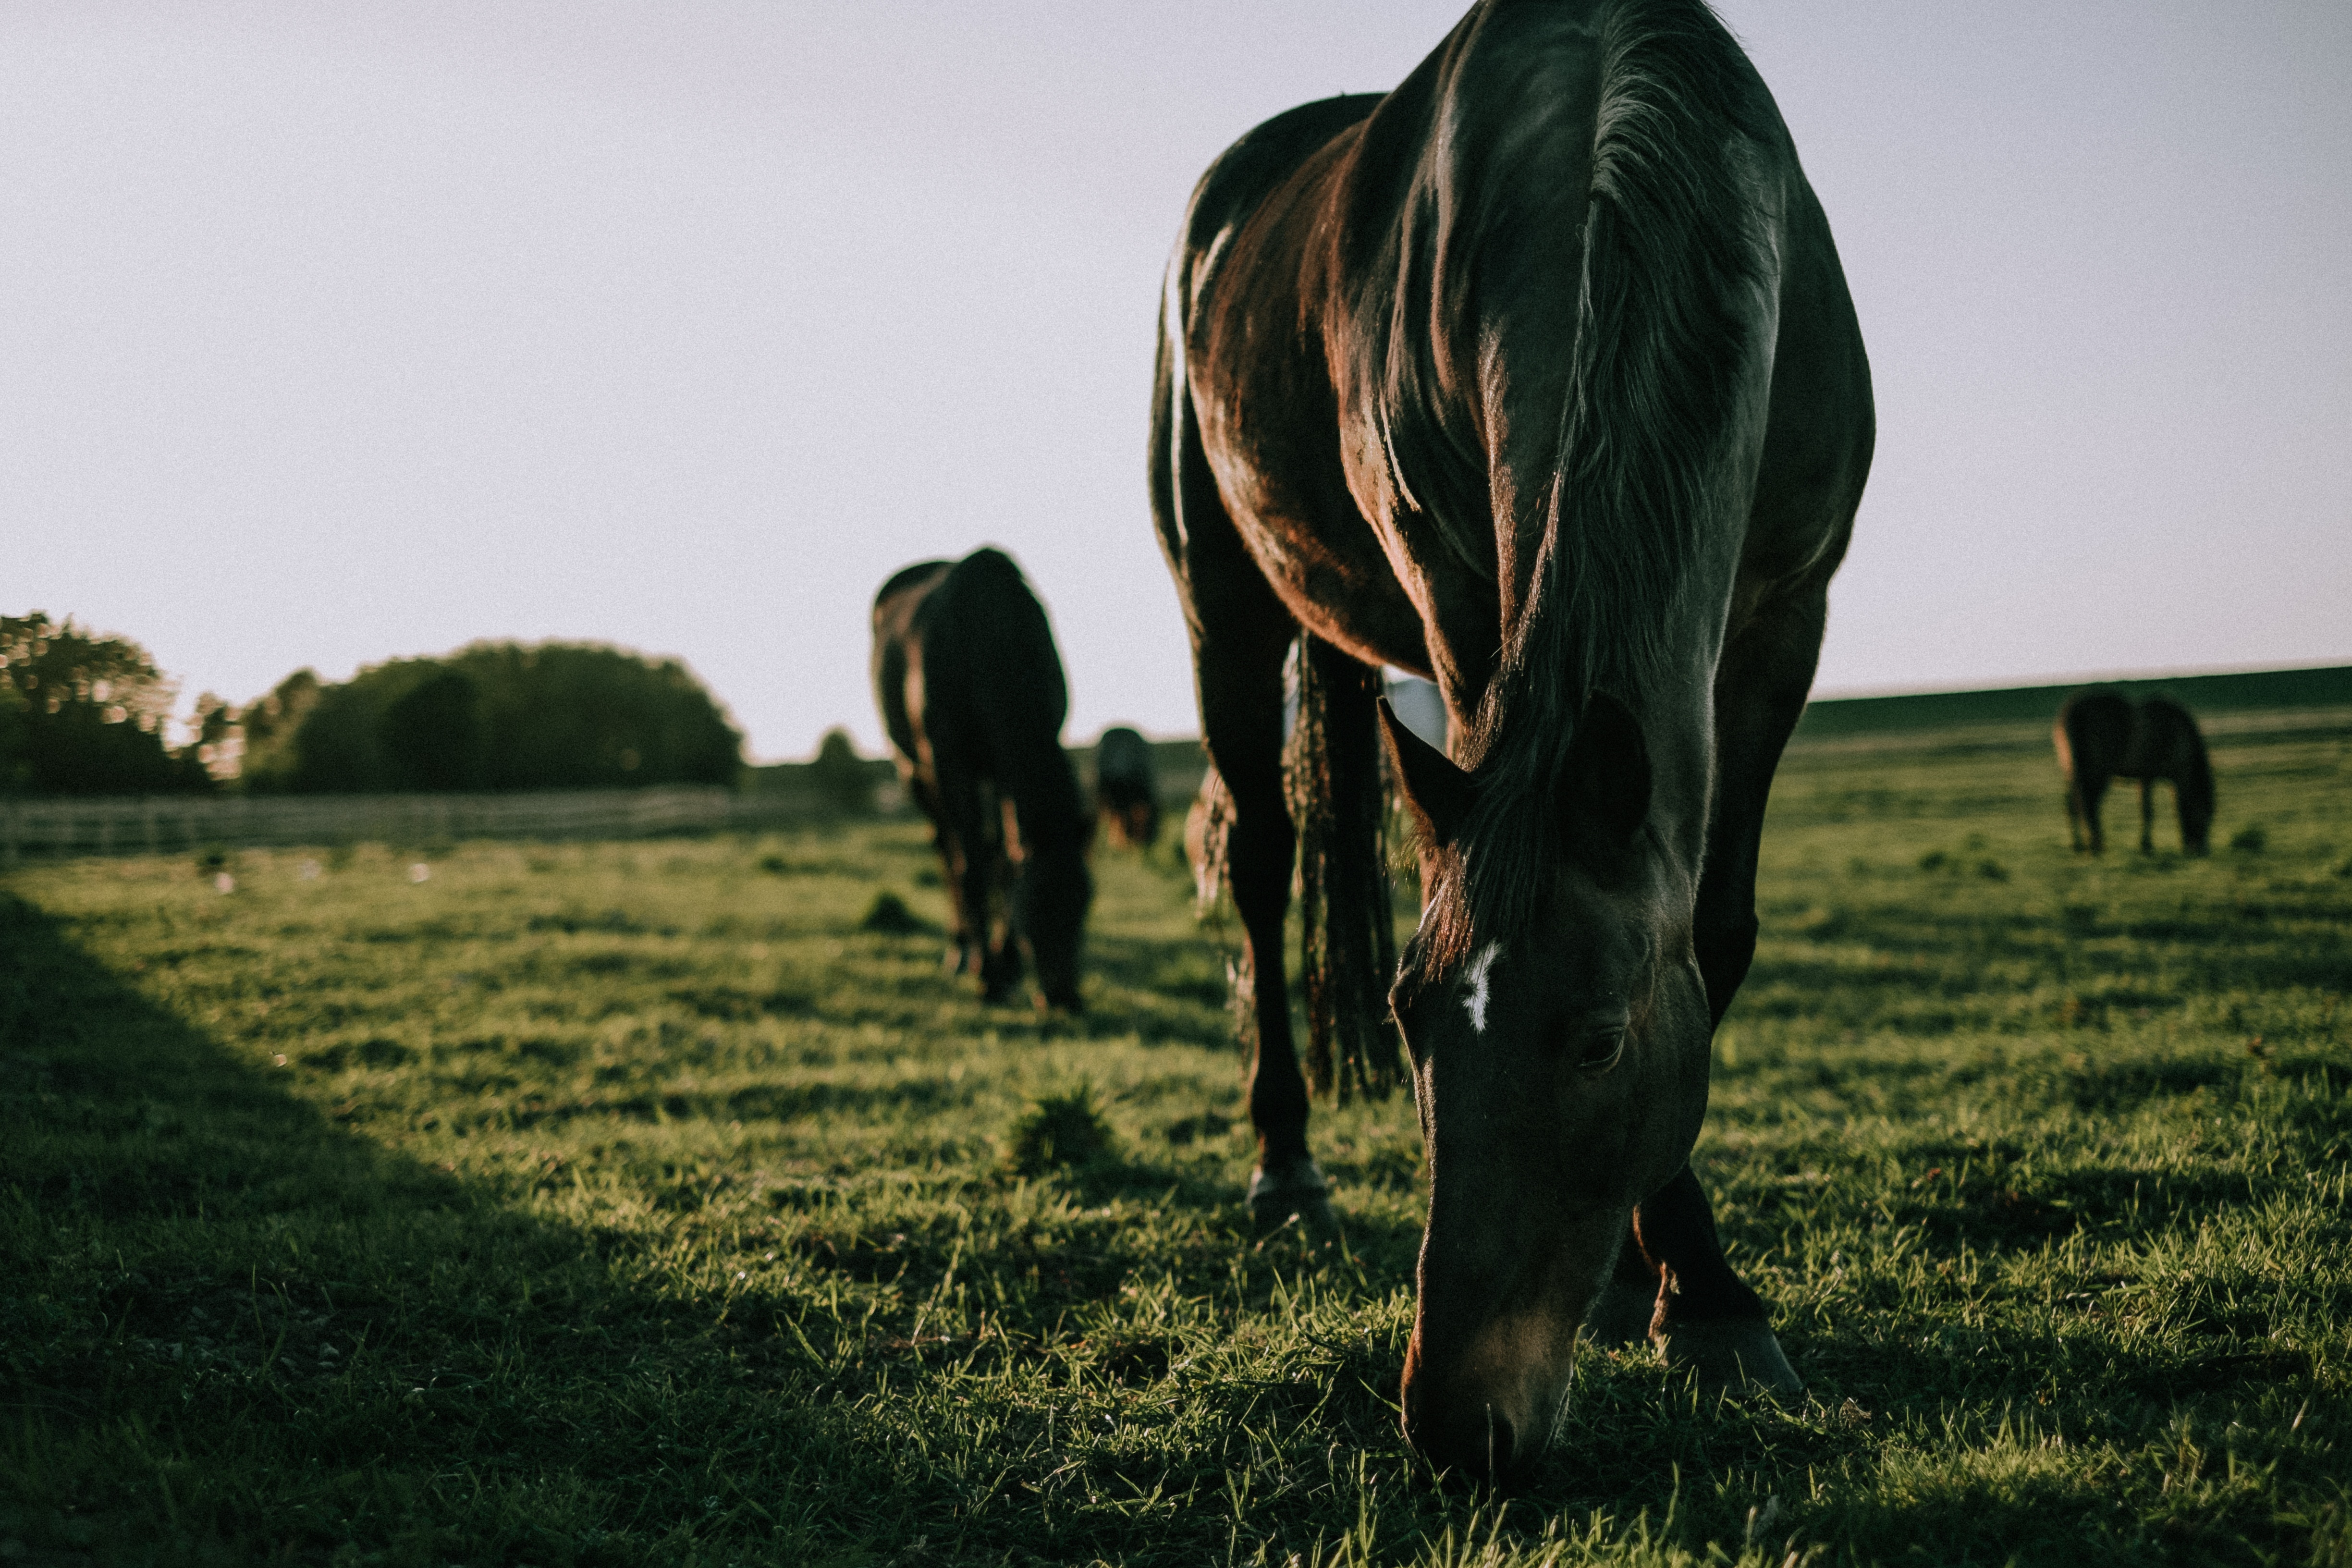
(959, 957)
(1001, 961)
(1628, 1305)
(1760, 687)
(1705, 1315)
(2148, 816)
(2094, 791)
(974, 874)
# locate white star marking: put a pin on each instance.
(1475, 1003)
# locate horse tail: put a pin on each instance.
(1674, 300)
(1338, 802)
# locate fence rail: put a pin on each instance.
(781, 797)
(156, 824)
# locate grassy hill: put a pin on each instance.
(2202, 694)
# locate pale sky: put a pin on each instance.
(332, 332)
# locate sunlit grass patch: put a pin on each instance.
(616, 1203)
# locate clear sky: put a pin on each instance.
(331, 333)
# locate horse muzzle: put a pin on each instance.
(1489, 1414)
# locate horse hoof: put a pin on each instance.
(1293, 1193)
(1730, 1353)
(1620, 1314)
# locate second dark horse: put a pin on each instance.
(972, 692)
(2103, 735)
(1127, 788)
(1537, 376)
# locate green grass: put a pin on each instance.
(633, 1203)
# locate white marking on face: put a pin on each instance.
(1475, 1003)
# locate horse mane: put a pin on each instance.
(905, 575)
(1670, 246)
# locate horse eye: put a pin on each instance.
(1602, 1051)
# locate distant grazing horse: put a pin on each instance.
(1539, 376)
(2103, 734)
(1127, 788)
(972, 692)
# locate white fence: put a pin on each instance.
(155, 824)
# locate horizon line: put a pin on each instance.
(2093, 678)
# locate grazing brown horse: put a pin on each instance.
(1537, 375)
(1127, 788)
(972, 692)
(2103, 735)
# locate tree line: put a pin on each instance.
(83, 713)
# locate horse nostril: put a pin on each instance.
(1498, 1444)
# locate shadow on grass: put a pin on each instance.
(234, 1330)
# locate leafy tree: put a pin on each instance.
(87, 714)
(583, 716)
(433, 737)
(267, 727)
(841, 776)
(337, 746)
(219, 744)
(493, 716)
(15, 740)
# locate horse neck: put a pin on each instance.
(1680, 729)
(1671, 689)
(1043, 788)
(2192, 769)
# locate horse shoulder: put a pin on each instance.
(1822, 425)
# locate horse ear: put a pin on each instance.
(1438, 792)
(1607, 781)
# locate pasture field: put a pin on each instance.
(629, 1203)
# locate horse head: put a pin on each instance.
(1050, 902)
(1560, 1075)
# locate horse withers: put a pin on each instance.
(972, 692)
(1127, 788)
(1537, 376)
(2101, 735)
